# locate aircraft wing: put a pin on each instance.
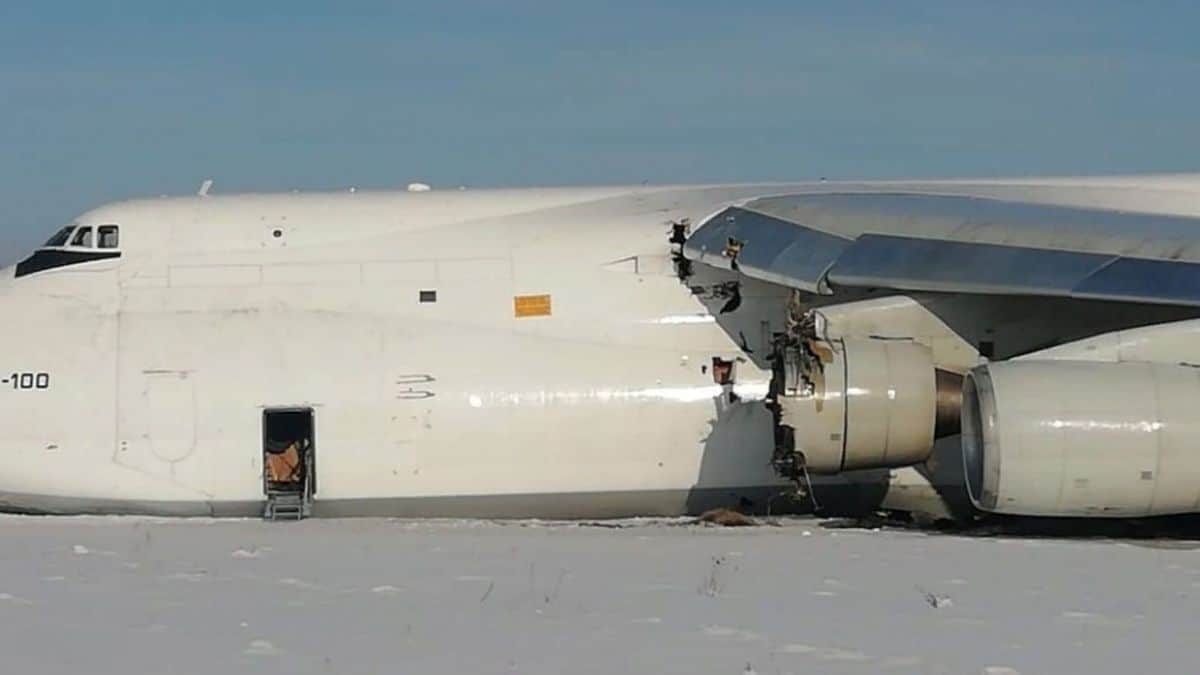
(955, 244)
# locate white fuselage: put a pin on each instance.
(159, 363)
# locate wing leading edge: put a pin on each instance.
(766, 248)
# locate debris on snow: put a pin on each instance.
(935, 600)
(725, 518)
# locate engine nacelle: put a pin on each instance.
(862, 403)
(1063, 438)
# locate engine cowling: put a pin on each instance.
(1063, 438)
(863, 403)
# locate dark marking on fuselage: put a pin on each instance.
(48, 259)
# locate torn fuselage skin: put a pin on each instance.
(793, 344)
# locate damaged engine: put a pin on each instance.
(857, 403)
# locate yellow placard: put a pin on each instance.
(531, 305)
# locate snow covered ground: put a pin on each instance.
(94, 595)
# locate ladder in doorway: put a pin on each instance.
(286, 506)
(291, 504)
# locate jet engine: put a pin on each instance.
(1077, 438)
(859, 403)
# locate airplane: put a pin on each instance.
(949, 348)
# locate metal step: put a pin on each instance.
(286, 506)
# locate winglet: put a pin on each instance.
(205, 187)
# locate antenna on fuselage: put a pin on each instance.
(204, 188)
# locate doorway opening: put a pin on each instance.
(289, 461)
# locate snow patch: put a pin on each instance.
(836, 654)
(735, 633)
(797, 649)
(262, 648)
(824, 653)
(188, 576)
(900, 662)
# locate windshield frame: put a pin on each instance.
(61, 238)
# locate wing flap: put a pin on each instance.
(1169, 282)
(881, 261)
(950, 266)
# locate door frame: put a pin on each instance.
(310, 467)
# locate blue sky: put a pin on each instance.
(101, 100)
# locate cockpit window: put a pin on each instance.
(109, 236)
(73, 245)
(60, 238)
(82, 238)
